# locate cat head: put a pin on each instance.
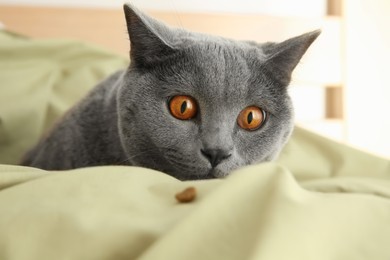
(197, 106)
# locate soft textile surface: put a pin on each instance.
(39, 80)
(259, 212)
(320, 200)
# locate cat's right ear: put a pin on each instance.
(149, 39)
(284, 57)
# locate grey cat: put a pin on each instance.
(191, 105)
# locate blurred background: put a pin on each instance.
(341, 89)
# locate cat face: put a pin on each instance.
(196, 106)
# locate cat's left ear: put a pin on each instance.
(150, 39)
(282, 58)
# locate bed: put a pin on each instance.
(319, 200)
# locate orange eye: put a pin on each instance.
(251, 118)
(183, 107)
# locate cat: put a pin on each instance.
(191, 105)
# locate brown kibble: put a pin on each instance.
(186, 195)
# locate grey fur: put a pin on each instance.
(125, 120)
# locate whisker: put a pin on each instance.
(133, 156)
(143, 152)
(177, 15)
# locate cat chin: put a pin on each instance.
(217, 173)
(214, 173)
(211, 174)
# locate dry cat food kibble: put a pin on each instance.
(186, 195)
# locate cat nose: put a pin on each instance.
(215, 156)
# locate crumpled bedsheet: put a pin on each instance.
(259, 212)
(320, 200)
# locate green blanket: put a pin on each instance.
(319, 200)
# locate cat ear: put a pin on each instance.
(282, 58)
(149, 38)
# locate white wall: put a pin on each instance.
(368, 74)
(276, 7)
